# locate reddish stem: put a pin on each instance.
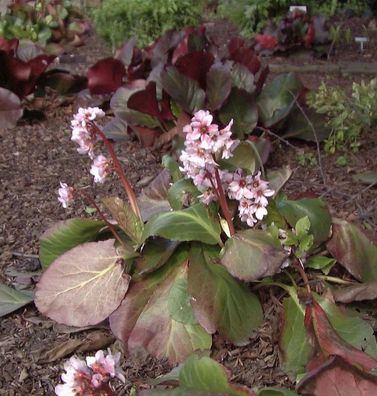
(91, 201)
(119, 170)
(300, 268)
(223, 202)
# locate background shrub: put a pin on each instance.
(118, 20)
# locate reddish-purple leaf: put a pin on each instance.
(330, 342)
(146, 101)
(244, 55)
(9, 46)
(10, 109)
(126, 51)
(195, 65)
(84, 285)
(106, 76)
(354, 250)
(336, 377)
(182, 48)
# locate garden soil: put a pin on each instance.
(36, 155)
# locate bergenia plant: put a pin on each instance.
(168, 268)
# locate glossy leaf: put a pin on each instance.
(332, 344)
(294, 342)
(182, 193)
(205, 374)
(220, 302)
(106, 76)
(10, 109)
(242, 109)
(153, 198)
(354, 250)
(356, 292)
(242, 78)
(244, 157)
(65, 235)
(278, 178)
(278, 98)
(84, 285)
(12, 299)
(155, 254)
(125, 217)
(219, 84)
(315, 209)
(192, 224)
(322, 263)
(336, 377)
(185, 91)
(252, 254)
(144, 320)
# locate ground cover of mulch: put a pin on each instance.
(35, 156)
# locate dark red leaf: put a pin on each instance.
(330, 342)
(262, 75)
(106, 76)
(146, 102)
(196, 65)
(9, 46)
(182, 48)
(235, 44)
(266, 41)
(336, 377)
(247, 57)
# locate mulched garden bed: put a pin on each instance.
(35, 156)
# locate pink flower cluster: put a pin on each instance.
(66, 194)
(90, 377)
(86, 138)
(205, 143)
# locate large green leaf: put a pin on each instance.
(205, 374)
(220, 302)
(252, 254)
(125, 217)
(84, 285)
(297, 126)
(242, 78)
(244, 157)
(242, 109)
(278, 98)
(294, 342)
(11, 299)
(155, 254)
(219, 84)
(65, 235)
(354, 250)
(148, 317)
(182, 193)
(315, 209)
(184, 90)
(192, 224)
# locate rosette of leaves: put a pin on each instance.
(42, 21)
(295, 30)
(159, 88)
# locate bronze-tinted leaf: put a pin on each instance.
(84, 285)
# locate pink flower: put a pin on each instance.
(246, 212)
(100, 168)
(240, 187)
(208, 196)
(76, 375)
(107, 366)
(260, 190)
(66, 194)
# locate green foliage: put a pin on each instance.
(347, 115)
(251, 16)
(37, 20)
(117, 20)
